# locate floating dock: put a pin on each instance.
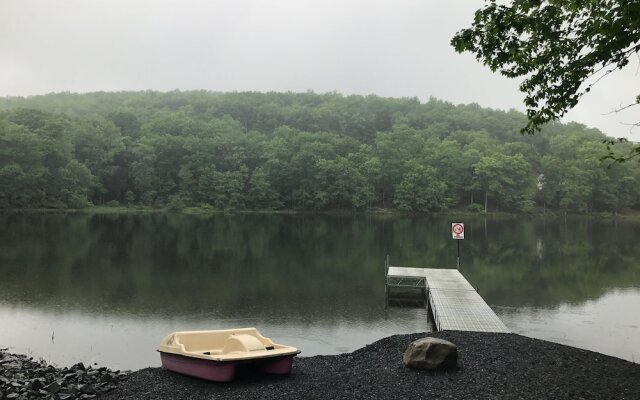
(454, 303)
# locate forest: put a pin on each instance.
(298, 151)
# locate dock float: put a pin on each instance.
(454, 303)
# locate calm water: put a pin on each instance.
(107, 288)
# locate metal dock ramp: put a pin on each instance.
(455, 304)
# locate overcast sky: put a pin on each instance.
(394, 48)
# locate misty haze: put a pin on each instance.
(348, 177)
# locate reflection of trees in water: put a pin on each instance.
(252, 264)
(580, 260)
(158, 262)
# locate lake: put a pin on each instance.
(106, 288)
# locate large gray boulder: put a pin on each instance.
(430, 353)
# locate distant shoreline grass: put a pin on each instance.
(378, 211)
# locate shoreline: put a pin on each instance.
(490, 366)
(632, 216)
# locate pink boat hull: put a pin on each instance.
(223, 371)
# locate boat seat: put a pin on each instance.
(242, 343)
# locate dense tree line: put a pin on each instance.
(297, 151)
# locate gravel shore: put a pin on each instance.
(490, 366)
(22, 377)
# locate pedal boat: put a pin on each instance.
(215, 355)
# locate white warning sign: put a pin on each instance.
(457, 230)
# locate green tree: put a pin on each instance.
(260, 194)
(560, 48)
(127, 122)
(573, 177)
(224, 190)
(342, 184)
(77, 181)
(507, 179)
(96, 145)
(21, 169)
(421, 190)
(394, 150)
(297, 150)
(156, 171)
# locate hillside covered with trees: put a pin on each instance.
(301, 151)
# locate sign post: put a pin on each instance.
(457, 231)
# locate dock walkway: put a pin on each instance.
(455, 304)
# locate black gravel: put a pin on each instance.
(490, 366)
(22, 377)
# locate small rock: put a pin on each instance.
(80, 377)
(430, 353)
(79, 366)
(68, 377)
(12, 365)
(36, 384)
(13, 396)
(66, 396)
(86, 389)
(53, 387)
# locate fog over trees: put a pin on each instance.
(302, 151)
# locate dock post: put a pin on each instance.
(386, 285)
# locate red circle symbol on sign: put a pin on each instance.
(457, 229)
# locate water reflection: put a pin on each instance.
(610, 324)
(129, 342)
(120, 282)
